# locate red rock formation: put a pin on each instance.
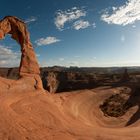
(52, 82)
(28, 66)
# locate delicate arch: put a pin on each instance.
(17, 28)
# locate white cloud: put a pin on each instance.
(8, 58)
(123, 15)
(81, 24)
(46, 41)
(31, 19)
(67, 16)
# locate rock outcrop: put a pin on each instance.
(29, 68)
(52, 82)
(125, 76)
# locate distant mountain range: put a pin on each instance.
(13, 72)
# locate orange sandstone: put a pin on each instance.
(29, 68)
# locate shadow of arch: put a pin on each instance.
(29, 69)
(134, 100)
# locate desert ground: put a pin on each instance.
(76, 115)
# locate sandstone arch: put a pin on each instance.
(17, 28)
(29, 68)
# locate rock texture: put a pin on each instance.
(29, 68)
(67, 116)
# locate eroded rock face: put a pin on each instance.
(18, 30)
(29, 68)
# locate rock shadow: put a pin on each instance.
(134, 99)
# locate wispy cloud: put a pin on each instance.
(133, 26)
(74, 63)
(93, 25)
(69, 15)
(123, 15)
(77, 56)
(46, 41)
(122, 38)
(31, 19)
(61, 59)
(8, 58)
(81, 24)
(38, 55)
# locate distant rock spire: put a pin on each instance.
(125, 76)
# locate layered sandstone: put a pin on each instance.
(29, 68)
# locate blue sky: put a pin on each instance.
(89, 33)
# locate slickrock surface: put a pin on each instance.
(66, 116)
